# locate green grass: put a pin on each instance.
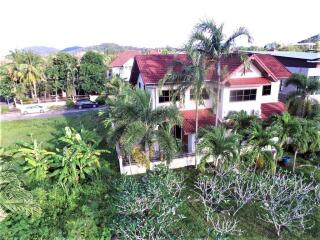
(46, 129)
(4, 109)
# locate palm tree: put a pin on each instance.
(191, 77)
(299, 102)
(30, 72)
(286, 126)
(217, 143)
(304, 138)
(137, 125)
(240, 121)
(209, 40)
(260, 144)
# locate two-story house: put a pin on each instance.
(122, 64)
(254, 90)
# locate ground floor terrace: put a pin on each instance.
(186, 135)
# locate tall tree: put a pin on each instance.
(92, 73)
(190, 77)
(260, 147)
(299, 102)
(136, 125)
(62, 73)
(29, 71)
(208, 38)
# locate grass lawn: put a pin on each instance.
(46, 129)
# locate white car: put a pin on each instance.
(34, 109)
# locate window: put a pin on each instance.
(243, 95)
(139, 85)
(205, 95)
(166, 96)
(266, 90)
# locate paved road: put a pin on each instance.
(51, 113)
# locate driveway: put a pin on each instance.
(18, 116)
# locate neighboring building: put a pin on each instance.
(255, 91)
(310, 42)
(122, 65)
(307, 63)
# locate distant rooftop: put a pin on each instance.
(312, 39)
(300, 55)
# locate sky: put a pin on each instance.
(149, 23)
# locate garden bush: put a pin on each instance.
(69, 103)
(101, 100)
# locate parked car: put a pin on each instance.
(34, 109)
(85, 103)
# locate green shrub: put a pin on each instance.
(101, 100)
(69, 103)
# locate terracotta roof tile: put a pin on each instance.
(247, 81)
(123, 57)
(269, 109)
(206, 118)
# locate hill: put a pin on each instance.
(41, 50)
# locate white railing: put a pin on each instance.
(181, 160)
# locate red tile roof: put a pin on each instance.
(206, 118)
(153, 67)
(247, 81)
(275, 67)
(269, 109)
(123, 57)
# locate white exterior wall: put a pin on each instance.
(124, 71)
(251, 107)
(187, 104)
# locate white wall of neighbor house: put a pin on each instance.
(123, 71)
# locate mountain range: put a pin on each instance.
(103, 47)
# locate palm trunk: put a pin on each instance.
(294, 160)
(218, 94)
(196, 137)
(35, 90)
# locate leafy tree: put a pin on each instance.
(215, 142)
(299, 102)
(191, 77)
(137, 124)
(208, 38)
(62, 73)
(92, 73)
(6, 85)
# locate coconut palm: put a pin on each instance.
(286, 126)
(260, 146)
(190, 77)
(208, 39)
(304, 138)
(215, 142)
(299, 102)
(137, 125)
(240, 121)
